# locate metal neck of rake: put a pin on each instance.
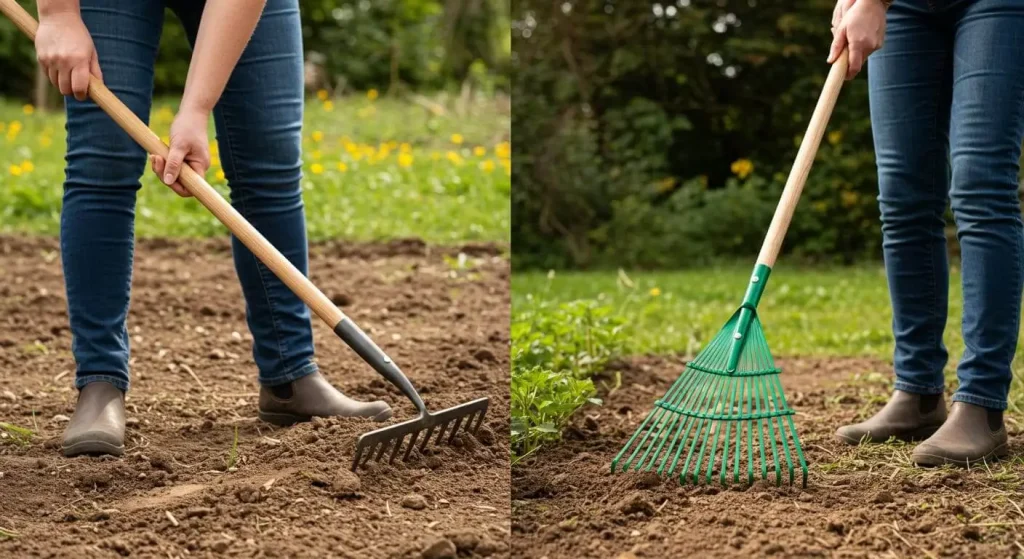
(748, 310)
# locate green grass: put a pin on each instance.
(374, 169)
(805, 311)
(16, 434)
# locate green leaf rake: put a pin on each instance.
(726, 416)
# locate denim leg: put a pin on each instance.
(985, 139)
(909, 83)
(259, 131)
(101, 180)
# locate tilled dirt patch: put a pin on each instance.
(184, 488)
(860, 501)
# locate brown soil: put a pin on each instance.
(290, 493)
(860, 501)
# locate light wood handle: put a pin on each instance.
(804, 159)
(197, 186)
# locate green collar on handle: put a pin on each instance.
(748, 310)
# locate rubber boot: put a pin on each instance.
(312, 396)
(97, 426)
(972, 435)
(907, 417)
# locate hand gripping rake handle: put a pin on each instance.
(787, 204)
(239, 226)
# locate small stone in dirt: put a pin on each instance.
(345, 484)
(626, 555)
(464, 540)
(635, 503)
(131, 422)
(466, 364)
(61, 418)
(484, 355)
(94, 479)
(198, 512)
(119, 546)
(591, 424)
(647, 480)
(341, 299)
(971, 533)
(220, 546)
(311, 438)
(772, 548)
(882, 497)
(836, 526)
(207, 310)
(414, 502)
(217, 354)
(440, 549)
(8, 395)
(248, 495)
(485, 436)
(433, 462)
(926, 526)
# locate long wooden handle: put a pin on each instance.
(804, 160)
(197, 186)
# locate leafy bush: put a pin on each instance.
(556, 348)
(660, 134)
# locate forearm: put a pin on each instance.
(224, 31)
(50, 7)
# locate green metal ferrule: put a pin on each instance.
(757, 282)
(748, 310)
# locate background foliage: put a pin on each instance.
(361, 44)
(616, 105)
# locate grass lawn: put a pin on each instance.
(375, 168)
(804, 311)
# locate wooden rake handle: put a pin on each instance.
(315, 299)
(804, 159)
(197, 186)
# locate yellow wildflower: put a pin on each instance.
(342, 166)
(27, 166)
(316, 168)
(655, 292)
(457, 139)
(28, 109)
(372, 94)
(165, 139)
(328, 106)
(479, 151)
(405, 159)
(322, 95)
(742, 168)
(849, 199)
(318, 136)
(455, 158)
(835, 137)
(15, 170)
(503, 150)
(214, 161)
(220, 174)
(487, 166)
(214, 148)
(405, 147)
(45, 141)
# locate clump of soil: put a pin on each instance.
(182, 488)
(860, 501)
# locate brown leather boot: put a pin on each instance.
(971, 435)
(97, 426)
(908, 417)
(312, 396)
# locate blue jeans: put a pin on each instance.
(259, 131)
(947, 114)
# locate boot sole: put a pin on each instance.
(919, 434)
(93, 448)
(289, 419)
(999, 452)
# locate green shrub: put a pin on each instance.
(556, 348)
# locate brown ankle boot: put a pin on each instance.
(97, 426)
(310, 396)
(908, 417)
(971, 435)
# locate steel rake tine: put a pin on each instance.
(478, 417)
(455, 430)
(394, 451)
(355, 461)
(412, 444)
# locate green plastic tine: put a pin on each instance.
(771, 430)
(688, 423)
(699, 423)
(728, 427)
(699, 382)
(707, 432)
(664, 434)
(640, 430)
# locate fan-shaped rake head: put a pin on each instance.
(725, 417)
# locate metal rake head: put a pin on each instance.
(726, 416)
(388, 440)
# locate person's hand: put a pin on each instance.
(860, 26)
(66, 52)
(189, 146)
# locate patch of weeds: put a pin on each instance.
(6, 534)
(556, 349)
(16, 434)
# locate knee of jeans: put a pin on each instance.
(898, 212)
(108, 165)
(272, 162)
(982, 192)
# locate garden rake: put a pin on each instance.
(729, 398)
(370, 446)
